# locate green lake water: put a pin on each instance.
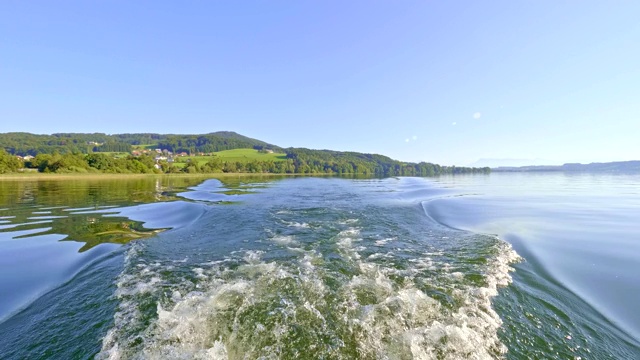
(515, 266)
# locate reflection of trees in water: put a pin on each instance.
(38, 207)
(94, 230)
(91, 229)
(97, 192)
(110, 230)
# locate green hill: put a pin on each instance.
(222, 151)
(20, 143)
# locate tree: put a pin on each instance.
(9, 163)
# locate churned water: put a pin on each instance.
(317, 268)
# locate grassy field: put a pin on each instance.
(241, 155)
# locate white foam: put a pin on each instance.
(348, 221)
(351, 232)
(284, 240)
(199, 273)
(297, 225)
(252, 310)
(383, 242)
(253, 257)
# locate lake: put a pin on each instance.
(506, 265)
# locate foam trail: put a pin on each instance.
(349, 305)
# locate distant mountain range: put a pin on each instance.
(511, 162)
(609, 167)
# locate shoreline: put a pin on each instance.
(101, 176)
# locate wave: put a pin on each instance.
(557, 275)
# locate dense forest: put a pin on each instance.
(24, 144)
(334, 162)
(89, 153)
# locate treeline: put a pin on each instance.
(306, 161)
(24, 144)
(209, 143)
(92, 163)
(299, 161)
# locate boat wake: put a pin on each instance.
(338, 287)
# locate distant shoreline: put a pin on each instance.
(631, 166)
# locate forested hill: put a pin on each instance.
(24, 144)
(156, 153)
(337, 162)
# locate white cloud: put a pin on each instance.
(406, 140)
(477, 115)
(454, 123)
(414, 138)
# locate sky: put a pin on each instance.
(449, 82)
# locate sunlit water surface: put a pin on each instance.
(514, 266)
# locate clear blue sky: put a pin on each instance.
(442, 81)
